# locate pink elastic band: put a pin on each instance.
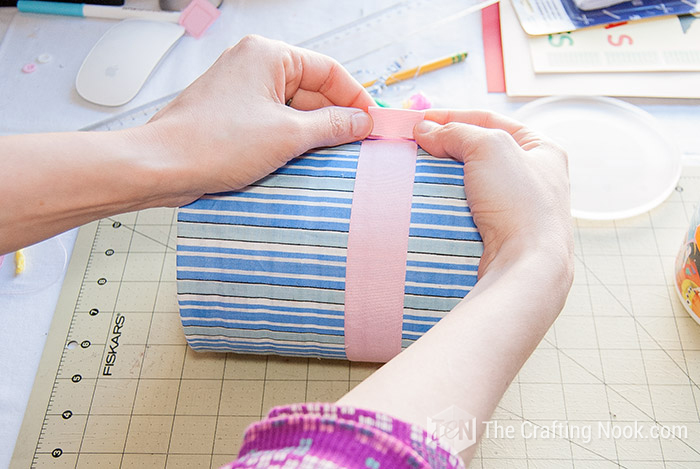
(378, 240)
(394, 123)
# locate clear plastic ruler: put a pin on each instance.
(134, 117)
(399, 23)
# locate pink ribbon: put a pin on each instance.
(378, 237)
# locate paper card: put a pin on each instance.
(670, 43)
(557, 16)
(521, 80)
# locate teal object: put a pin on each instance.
(51, 8)
(381, 103)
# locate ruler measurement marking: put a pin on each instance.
(51, 399)
(60, 363)
(63, 354)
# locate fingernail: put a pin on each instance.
(361, 124)
(423, 127)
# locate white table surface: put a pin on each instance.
(46, 100)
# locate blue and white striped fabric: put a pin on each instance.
(263, 270)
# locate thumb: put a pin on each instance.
(330, 126)
(455, 140)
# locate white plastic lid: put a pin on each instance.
(620, 163)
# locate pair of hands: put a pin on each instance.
(232, 127)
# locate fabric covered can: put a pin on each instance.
(264, 270)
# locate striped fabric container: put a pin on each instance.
(263, 270)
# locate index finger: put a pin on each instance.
(317, 73)
(489, 120)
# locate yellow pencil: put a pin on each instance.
(421, 69)
(20, 261)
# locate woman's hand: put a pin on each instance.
(231, 127)
(516, 181)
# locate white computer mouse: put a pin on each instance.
(122, 60)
